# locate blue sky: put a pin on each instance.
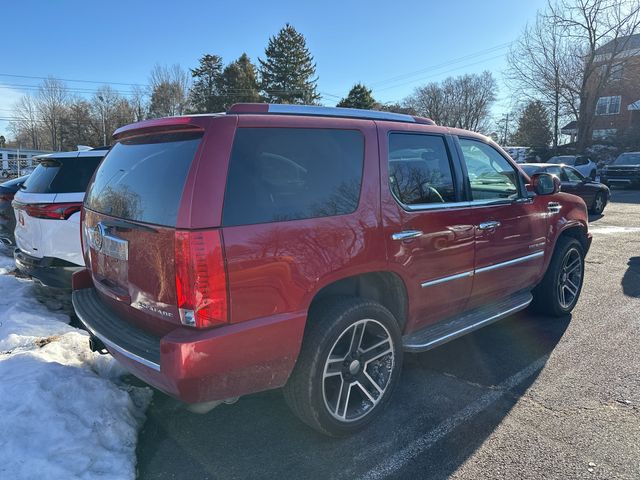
(390, 46)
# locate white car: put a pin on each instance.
(583, 164)
(47, 209)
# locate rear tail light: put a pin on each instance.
(50, 211)
(6, 197)
(201, 281)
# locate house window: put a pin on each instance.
(616, 72)
(608, 105)
(604, 133)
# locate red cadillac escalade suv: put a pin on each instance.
(307, 248)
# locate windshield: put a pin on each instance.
(565, 159)
(628, 159)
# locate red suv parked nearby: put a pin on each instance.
(308, 248)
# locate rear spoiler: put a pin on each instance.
(158, 125)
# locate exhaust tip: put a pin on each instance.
(206, 407)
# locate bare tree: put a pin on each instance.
(51, 103)
(169, 91)
(26, 124)
(138, 103)
(463, 102)
(541, 63)
(601, 29)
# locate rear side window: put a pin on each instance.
(64, 175)
(419, 169)
(142, 178)
(278, 174)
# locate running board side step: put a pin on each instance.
(447, 330)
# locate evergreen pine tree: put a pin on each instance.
(534, 129)
(288, 70)
(358, 97)
(206, 93)
(239, 83)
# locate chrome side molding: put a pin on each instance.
(488, 268)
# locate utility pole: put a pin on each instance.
(506, 130)
(104, 128)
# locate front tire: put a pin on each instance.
(559, 291)
(348, 367)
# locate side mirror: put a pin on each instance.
(545, 183)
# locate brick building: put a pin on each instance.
(618, 105)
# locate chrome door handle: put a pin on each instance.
(406, 235)
(489, 225)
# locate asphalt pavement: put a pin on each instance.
(526, 398)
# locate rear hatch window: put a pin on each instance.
(142, 178)
(64, 175)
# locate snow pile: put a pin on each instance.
(63, 411)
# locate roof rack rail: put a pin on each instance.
(314, 110)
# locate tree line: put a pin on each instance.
(55, 119)
(554, 72)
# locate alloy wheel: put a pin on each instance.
(570, 278)
(599, 204)
(358, 370)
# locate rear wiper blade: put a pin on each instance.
(124, 225)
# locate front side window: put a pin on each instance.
(491, 176)
(419, 169)
(608, 105)
(280, 174)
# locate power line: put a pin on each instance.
(439, 74)
(502, 46)
(33, 77)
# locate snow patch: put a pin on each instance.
(64, 413)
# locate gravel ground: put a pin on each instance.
(528, 397)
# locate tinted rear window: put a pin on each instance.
(278, 174)
(142, 179)
(64, 175)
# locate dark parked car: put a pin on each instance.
(310, 247)
(8, 190)
(582, 163)
(623, 172)
(596, 195)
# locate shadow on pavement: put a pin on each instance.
(259, 438)
(624, 195)
(631, 279)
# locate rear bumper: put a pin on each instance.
(51, 272)
(199, 365)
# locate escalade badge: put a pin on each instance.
(97, 237)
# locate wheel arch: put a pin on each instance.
(575, 230)
(384, 287)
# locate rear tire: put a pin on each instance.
(598, 204)
(348, 367)
(559, 290)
